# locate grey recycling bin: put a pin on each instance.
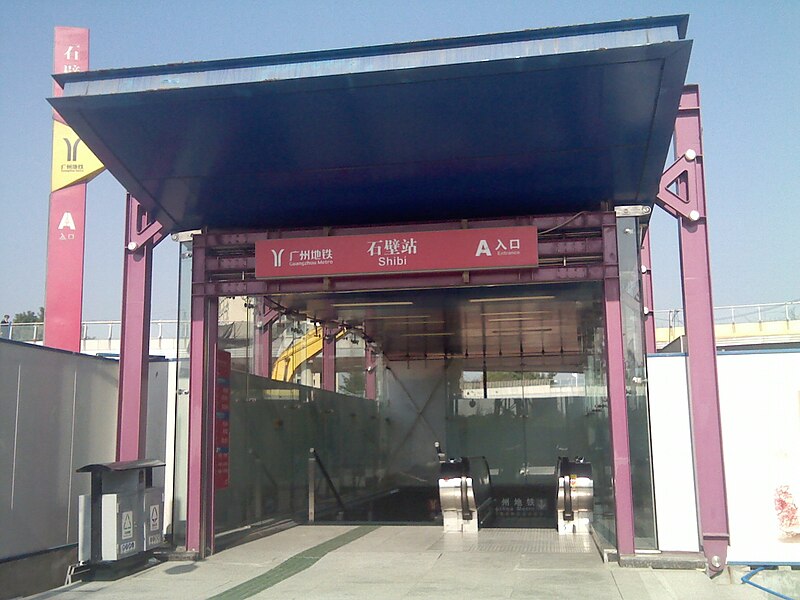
(123, 515)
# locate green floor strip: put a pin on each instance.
(292, 566)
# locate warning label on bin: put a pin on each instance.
(127, 524)
(155, 522)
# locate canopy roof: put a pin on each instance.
(529, 122)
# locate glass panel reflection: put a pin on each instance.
(521, 410)
(629, 243)
(272, 427)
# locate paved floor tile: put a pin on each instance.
(407, 562)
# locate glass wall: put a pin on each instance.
(182, 396)
(277, 416)
(351, 365)
(522, 420)
(273, 426)
(598, 427)
(628, 246)
(522, 413)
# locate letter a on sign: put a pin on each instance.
(483, 249)
(67, 222)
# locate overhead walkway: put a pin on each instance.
(739, 325)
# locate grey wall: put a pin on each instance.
(157, 400)
(58, 412)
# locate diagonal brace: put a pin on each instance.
(141, 227)
(685, 203)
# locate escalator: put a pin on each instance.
(559, 498)
(556, 498)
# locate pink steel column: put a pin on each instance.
(66, 228)
(689, 206)
(208, 489)
(329, 358)
(263, 342)
(141, 235)
(371, 375)
(647, 295)
(617, 397)
(205, 316)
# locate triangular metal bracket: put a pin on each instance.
(683, 171)
(141, 228)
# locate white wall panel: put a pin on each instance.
(673, 464)
(760, 410)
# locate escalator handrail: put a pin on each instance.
(313, 453)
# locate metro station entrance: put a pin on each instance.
(515, 375)
(265, 167)
(327, 395)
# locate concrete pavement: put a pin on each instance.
(375, 562)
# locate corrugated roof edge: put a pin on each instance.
(678, 21)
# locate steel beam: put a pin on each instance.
(203, 344)
(543, 274)
(689, 206)
(329, 357)
(370, 374)
(559, 223)
(262, 340)
(142, 233)
(617, 400)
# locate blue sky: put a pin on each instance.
(745, 59)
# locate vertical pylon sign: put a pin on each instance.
(73, 166)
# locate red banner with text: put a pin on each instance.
(222, 427)
(406, 252)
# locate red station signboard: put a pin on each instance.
(222, 412)
(403, 252)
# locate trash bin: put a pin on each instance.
(123, 515)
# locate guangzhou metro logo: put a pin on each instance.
(72, 149)
(277, 257)
(302, 258)
(72, 164)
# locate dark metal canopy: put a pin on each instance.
(530, 122)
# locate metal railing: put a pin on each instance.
(164, 329)
(168, 328)
(314, 464)
(736, 314)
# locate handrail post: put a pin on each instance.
(312, 477)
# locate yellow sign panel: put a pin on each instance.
(73, 162)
